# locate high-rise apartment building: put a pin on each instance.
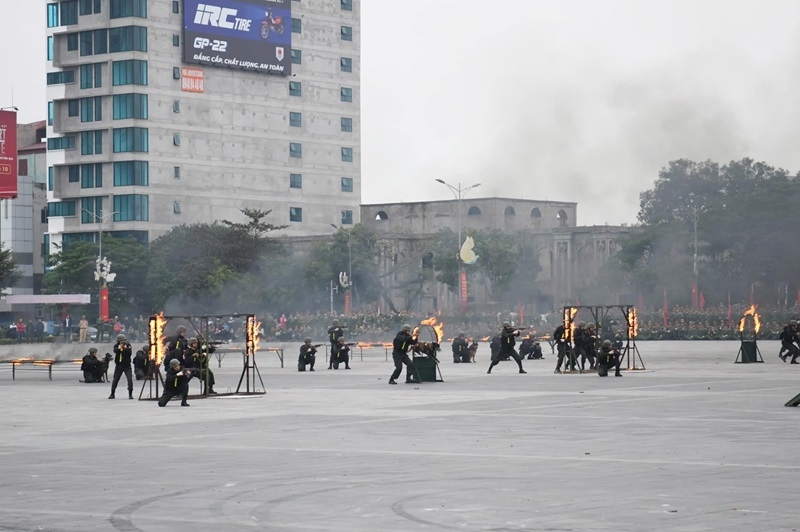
(166, 112)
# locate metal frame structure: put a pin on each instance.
(600, 313)
(200, 324)
(740, 356)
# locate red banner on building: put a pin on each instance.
(463, 283)
(8, 154)
(104, 303)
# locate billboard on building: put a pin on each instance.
(8, 154)
(192, 79)
(251, 35)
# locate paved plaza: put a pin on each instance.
(693, 443)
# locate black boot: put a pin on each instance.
(130, 394)
(111, 396)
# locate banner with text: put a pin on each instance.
(253, 35)
(8, 154)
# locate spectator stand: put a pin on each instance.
(609, 320)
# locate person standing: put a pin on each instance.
(176, 383)
(84, 327)
(39, 331)
(507, 342)
(122, 364)
(460, 349)
(335, 331)
(20, 331)
(402, 343)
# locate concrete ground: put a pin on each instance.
(693, 443)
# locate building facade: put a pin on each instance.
(139, 140)
(23, 220)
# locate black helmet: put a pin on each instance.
(462, 335)
(307, 340)
(181, 329)
(606, 343)
(581, 324)
(92, 350)
(406, 327)
(335, 323)
(506, 324)
(121, 338)
(174, 363)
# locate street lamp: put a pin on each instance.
(349, 257)
(459, 194)
(101, 278)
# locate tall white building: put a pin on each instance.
(168, 112)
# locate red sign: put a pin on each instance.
(104, 303)
(8, 154)
(192, 79)
(463, 282)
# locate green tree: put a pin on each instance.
(9, 273)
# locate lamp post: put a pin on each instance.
(459, 194)
(349, 258)
(102, 276)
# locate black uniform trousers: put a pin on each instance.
(401, 358)
(119, 369)
(503, 355)
(606, 362)
(182, 391)
(306, 360)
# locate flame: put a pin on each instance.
(253, 328)
(486, 338)
(388, 345)
(756, 319)
(433, 323)
(20, 360)
(155, 330)
(364, 344)
(44, 362)
(633, 323)
(569, 322)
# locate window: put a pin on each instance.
(52, 15)
(346, 94)
(100, 42)
(297, 25)
(131, 207)
(69, 12)
(91, 109)
(91, 209)
(50, 51)
(176, 172)
(176, 106)
(61, 208)
(176, 6)
(73, 107)
(91, 76)
(72, 42)
(347, 217)
(536, 213)
(346, 33)
(74, 173)
(91, 175)
(474, 211)
(176, 40)
(347, 155)
(88, 7)
(176, 139)
(347, 184)
(297, 57)
(130, 106)
(295, 214)
(510, 211)
(57, 78)
(51, 111)
(176, 72)
(176, 207)
(127, 39)
(61, 143)
(346, 5)
(295, 180)
(51, 178)
(346, 64)
(91, 142)
(94, 42)
(296, 119)
(347, 124)
(295, 88)
(22, 167)
(131, 173)
(128, 8)
(295, 150)
(130, 72)
(131, 139)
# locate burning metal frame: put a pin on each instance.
(600, 316)
(748, 349)
(201, 325)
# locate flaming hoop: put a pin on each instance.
(434, 324)
(155, 330)
(569, 322)
(748, 351)
(633, 323)
(756, 320)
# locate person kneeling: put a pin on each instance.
(176, 383)
(341, 353)
(608, 358)
(91, 367)
(308, 355)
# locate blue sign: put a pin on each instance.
(247, 34)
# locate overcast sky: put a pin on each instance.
(574, 100)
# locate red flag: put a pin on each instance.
(752, 295)
(666, 310)
(694, 295)
(104, 303)
(798, 297)
(347, 303)
(730, 323)
(463, 290)
(702, 301)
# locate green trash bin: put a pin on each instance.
(425, 369)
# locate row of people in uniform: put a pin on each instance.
(584, 349)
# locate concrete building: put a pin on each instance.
(140, 141)
(23, 220)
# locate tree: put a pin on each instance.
(9, 273)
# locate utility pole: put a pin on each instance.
(459, 194)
